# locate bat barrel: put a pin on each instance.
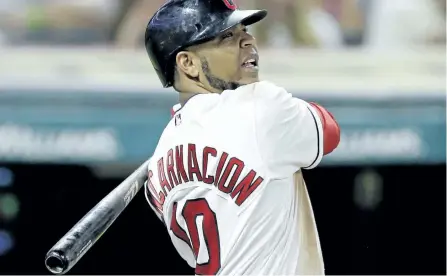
(73, 245)
(56, 263)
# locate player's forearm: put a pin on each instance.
(331, 129)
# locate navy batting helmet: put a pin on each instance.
(182, 23)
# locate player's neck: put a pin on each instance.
(189, 90)
(184, 97)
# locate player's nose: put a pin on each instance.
(247, 41)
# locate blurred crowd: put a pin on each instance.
(291, 23)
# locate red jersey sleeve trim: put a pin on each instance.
(331, 129)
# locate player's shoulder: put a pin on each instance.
(269, 93)
(270, 96)
(265, 86)
(258, 89)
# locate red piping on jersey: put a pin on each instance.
(331, 129)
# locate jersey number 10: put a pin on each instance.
(191, 210)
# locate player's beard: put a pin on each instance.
(216, 82)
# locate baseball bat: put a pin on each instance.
(84, 234)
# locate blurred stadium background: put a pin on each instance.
(81, 108)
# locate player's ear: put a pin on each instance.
(188, 63)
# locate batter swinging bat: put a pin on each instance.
(71, 247)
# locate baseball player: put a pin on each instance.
(225, 177)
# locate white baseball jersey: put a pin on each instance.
(225, 179)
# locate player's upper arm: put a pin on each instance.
(289, 131)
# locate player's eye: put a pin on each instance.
(227, 35)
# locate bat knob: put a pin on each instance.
(56, 263)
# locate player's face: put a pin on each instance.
(230, 60)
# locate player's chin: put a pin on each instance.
(249, 78)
